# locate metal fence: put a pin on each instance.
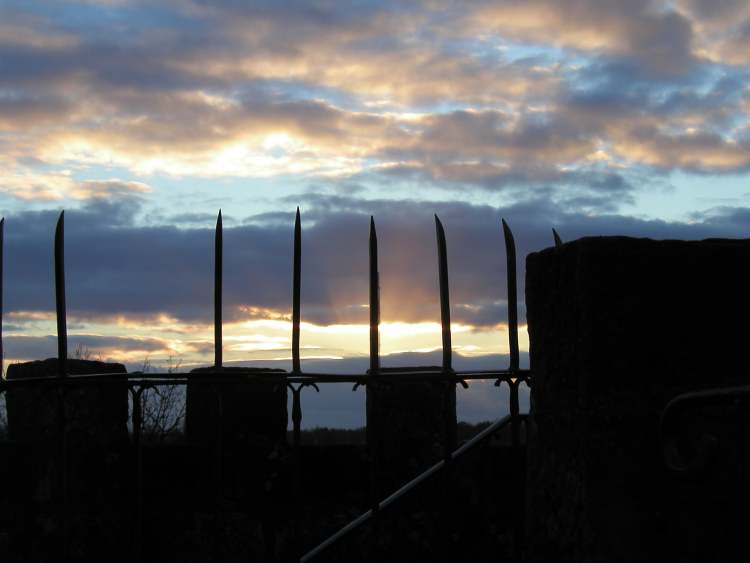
(296, 380)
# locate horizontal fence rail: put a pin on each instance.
(296, 380)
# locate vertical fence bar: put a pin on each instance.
(218, 267)
(296, 368)
(445, 308)
(445, 321)
(137, 418)
(62, 359)
(296, 416)
(296, 293)
(218, 356)
(514, 382)
(62, 325)
(374, 300)
(510, 254)
(374, 364)
(219, 465)
(2, 244)
(558, 240)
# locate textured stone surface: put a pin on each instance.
(406, 428)
(252, 415)
(617, 327)
(247, 423)
(96, 422)
(96, 444)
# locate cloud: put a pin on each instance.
(34, 347)
(106, 189)
(228, 90)
(122, 268)
(657, 38)
(721, 29)
(26, 184)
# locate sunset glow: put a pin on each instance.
(142, 122)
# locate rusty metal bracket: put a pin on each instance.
(297, 407)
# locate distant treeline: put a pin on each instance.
(319, 436)
(324, 436)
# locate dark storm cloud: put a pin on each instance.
(115, 267)
(613, 95)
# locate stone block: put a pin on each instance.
(406, 428)
(93, 515)
(253, 415)
(96, 417)
(242, 428)
(619, 326)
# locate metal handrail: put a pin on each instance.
(705, 444)
(390, 499)
(219, 376)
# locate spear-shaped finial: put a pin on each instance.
(558, 240)
(445, 307)
(218, 272)
(297, 282)
(510, 253)
(374, 300)
(2, 241)
(62, 325)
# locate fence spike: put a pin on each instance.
(445, 307)
(2, 241)
(62, 324)
(510, 253)
(296, 293)
(374, 299)
(558, 240)
(218, 272)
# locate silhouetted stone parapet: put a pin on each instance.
(241, 426)
(252, 414)
(95, 416)
(618, 327)
(406, 428)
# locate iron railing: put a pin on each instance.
(296, 380)
(444, 464)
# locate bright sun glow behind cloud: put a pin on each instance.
(597, 118)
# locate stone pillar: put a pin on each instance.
(96, 453)
(246, 422)
(618, 326)
(406, 428)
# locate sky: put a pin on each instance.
(143, 119)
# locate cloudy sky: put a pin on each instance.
(593, 116)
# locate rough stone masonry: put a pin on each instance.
(618, 326)
(96, 459)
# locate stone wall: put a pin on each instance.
(97, 460)
(250, 431)
(253, 415)
(406, 429)
(618, 326)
